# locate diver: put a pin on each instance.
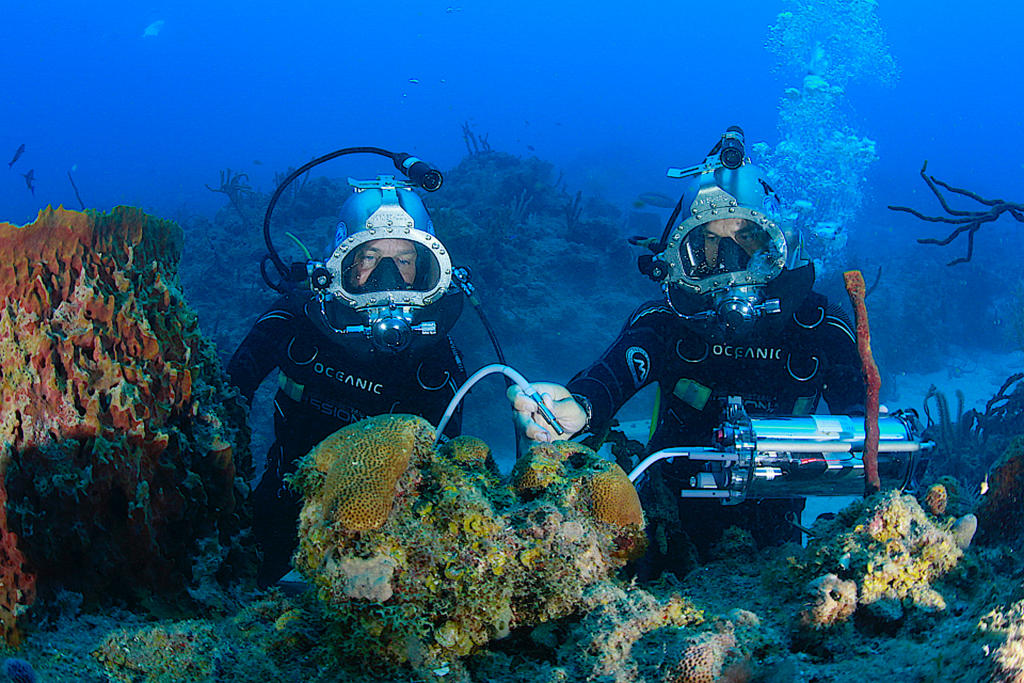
(739, 319)
(367, 336)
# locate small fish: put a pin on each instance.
(257, 162)
(414, 80)
(530, 147)
(984, 485)
(17, 155)
(153, 30)
(29, 177)
(658, 199)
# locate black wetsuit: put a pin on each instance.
(811, 356)
(323, 386)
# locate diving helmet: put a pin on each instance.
(728, 264)
(387, 273)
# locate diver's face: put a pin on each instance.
(368, 256)
(747, 235)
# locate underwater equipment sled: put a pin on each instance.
(788, 457)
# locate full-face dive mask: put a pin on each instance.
(387, 273)
(722, 265)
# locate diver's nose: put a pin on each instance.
(385, 276)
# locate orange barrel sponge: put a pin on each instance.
(352, 476)
(121, 437)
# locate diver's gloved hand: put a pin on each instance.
(530, 420)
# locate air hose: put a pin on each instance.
(417, 170)
(513, 375)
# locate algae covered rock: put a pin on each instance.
(422, 554)
(893, 551)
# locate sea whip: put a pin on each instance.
(855, 288)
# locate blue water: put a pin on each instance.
(611, 92)
(146, 104)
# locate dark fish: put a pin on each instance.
(257, 162)
(17, 155)
(28, 179)
(530, 147)
(658, 199)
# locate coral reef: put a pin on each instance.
(1008, 655)
(267, 640)
(893, 551)
(629, 634)
(125, 455)
(703, 658)
(425, 554)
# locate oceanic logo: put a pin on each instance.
(344, 378)
(639, 364)
(746, 352)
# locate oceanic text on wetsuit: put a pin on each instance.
(344, 378)
(761, 353)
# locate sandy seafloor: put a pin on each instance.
(62, 641)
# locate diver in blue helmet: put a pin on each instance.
(367, 335)
(738, 319)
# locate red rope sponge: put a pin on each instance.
(855, 288)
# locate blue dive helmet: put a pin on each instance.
(386, 264)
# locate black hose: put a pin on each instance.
(282, 269)
(490, 333)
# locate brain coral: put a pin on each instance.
(702, 660)
(423, 554)
(613, 497)
(360, 465)
(121, 439)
